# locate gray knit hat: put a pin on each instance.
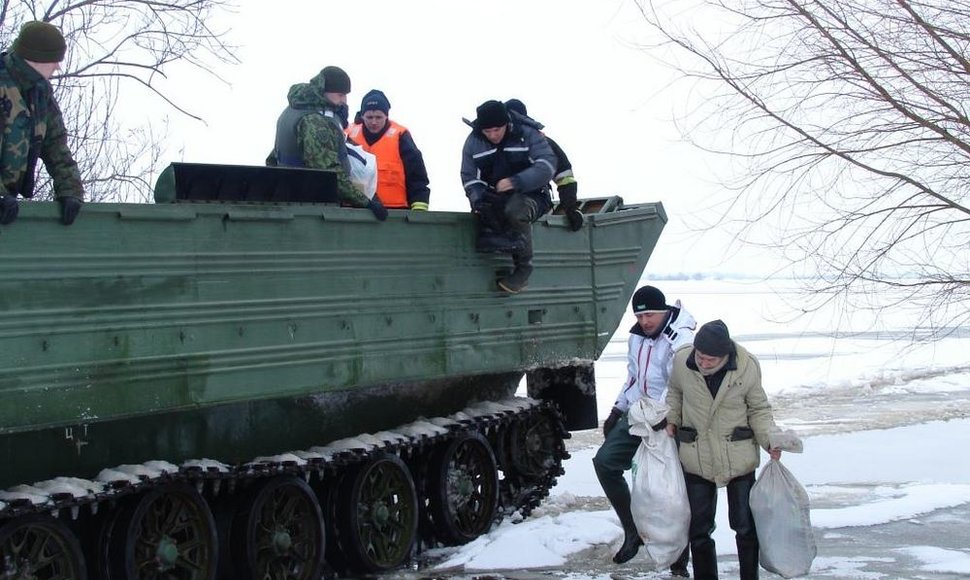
(713, 339)
(40, 42)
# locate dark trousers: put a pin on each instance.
(702, 495)
(515, 216)
(613, 458)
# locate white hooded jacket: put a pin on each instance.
(650, 360)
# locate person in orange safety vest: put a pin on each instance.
(402, 179)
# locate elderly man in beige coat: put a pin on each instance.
(720, 415)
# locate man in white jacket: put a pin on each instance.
(660, 330)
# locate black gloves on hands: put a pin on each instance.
(485, 200)
(479, 203)
(611, 421)
(575, 219)
(70, 207)
(375, 205)
(8, 209)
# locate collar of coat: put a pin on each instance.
(667, 327)
(22, 73)
(732, 362)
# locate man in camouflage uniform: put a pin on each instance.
(31, 123)
(310, 133)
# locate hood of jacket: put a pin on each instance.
(307, 96)
(518, 117)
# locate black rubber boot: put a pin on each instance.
(679, 568)
(619, 495)
(748, 558)
(518, 280)
(631, 545)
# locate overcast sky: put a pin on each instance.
(576, 64)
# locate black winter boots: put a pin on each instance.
(619, 495)
(518, 280)
(631, 545)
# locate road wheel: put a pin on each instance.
(377, 514)
(278, 533)
(39, 546)
(165, 533)
(463, 489)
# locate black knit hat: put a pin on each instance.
(40, 42)
(491, 114)
(649, 299)
(332, 79)
(375, 100)
(713, 339)
(517, 106)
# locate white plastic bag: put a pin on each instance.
(659, 495)
(363, 169)
(780, 507)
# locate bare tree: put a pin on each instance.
(849, 121)
(121, 49)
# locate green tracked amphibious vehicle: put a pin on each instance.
(252, 382)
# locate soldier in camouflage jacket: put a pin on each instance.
(32, 125)
(310, 133)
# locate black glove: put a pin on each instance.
(375, 205)
(610, 422)
(575, 219)
(479, 203)
(484, 201)
(8, 209)
(70, 207)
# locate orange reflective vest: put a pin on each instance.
(391, 182)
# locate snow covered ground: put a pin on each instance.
(886, 427)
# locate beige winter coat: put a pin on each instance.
(740, 402)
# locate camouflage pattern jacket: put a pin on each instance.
(32, 128)
(312, 126)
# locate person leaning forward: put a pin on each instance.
(505, 171)
(566, 185)
(720, 414)
(660, 330)
(31, 125)
(402, 179)
(310, 133)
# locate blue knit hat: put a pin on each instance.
(375, 100)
